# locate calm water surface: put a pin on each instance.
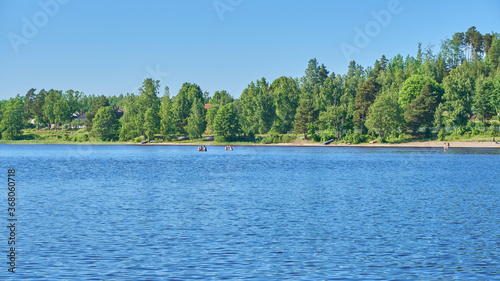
(263, 213)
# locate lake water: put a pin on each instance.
(263, 213)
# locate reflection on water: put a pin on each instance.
(312, 213)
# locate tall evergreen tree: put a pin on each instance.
(305, 115)
(29, 104)
(365, 96)
(221, 97)
(323, 74)
(420, 112)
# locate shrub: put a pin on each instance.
(220, 139)
(492, 132)
(441, 135)
(428, 133)
(277, 138)
(138, 139)
(459, 132)
(83, 137)
(355, 138)
(316, 138)
(327, 135)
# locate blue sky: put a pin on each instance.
(109, 47)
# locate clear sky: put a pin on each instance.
(109, 47)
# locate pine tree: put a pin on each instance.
(365, 96)
(323, 74)
(420, 112)
(304, 116)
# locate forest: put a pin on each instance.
(454, 91)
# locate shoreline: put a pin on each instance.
(415, 144)
(426, 144)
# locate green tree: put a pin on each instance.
(196, 125)
(257, 111)
(385, 115)
(311, 78)
(97, 103)
(311, 82)
(333, 115)
(365, 96)
(413, 86)
(183, 103)
(60, 111)
(420, 112)
(221, 97)
(11, 123)
(225, 125)
(286, 94)
(458, 92)
(439, 121)
(129, 122)
(49, 105)
(481, 99)
(336, 103)
(495, 96)
(494, 50)
(323, 74)
(73, 99)
(29, 104)
(452, 50)
(148, 103)
(305, 115)
(151, 123)
(210, 116)
(167, 121)
(38, 107)
(105, 125)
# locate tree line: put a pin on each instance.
(402, 94)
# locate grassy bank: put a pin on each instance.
(81, 136)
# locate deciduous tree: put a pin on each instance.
(105, 126)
